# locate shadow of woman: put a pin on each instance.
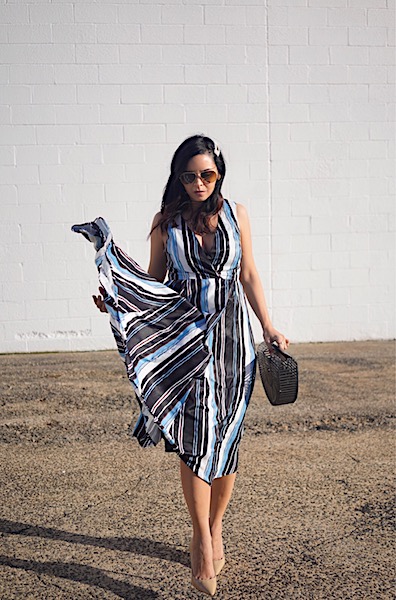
(82, 574)
(135, 545)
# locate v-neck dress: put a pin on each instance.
(208, 428)
(187, 344)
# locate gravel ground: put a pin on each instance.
(86, 513)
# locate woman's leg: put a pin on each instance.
(221, 494)
(197, 495)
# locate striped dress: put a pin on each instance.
(187, 344)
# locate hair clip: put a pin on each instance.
(216, 149)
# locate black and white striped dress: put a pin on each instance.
(187, 344)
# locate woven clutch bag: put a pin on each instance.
(279, 374)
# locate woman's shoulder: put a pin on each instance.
(157, 231)
(241, 209)
(234, 205)
(156, 219)
(238, 209)
(239, 214)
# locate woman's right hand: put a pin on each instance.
(99, 300)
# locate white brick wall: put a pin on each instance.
(95, 97)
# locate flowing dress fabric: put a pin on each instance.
(187, 344)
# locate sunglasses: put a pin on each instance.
(205, 176)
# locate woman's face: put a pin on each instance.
(200, 177)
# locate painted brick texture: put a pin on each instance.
(94, 99)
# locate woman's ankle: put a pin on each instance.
(202, 556)
(201, 541)
(217, 542)
(216, 528)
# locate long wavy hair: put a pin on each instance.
(175, 199)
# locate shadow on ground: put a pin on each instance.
(142, 546)
(86, 513)
(81, 574)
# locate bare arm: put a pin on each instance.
(157, 265)
(252, 284)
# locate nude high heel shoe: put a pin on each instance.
(207, 586)
(218, 565)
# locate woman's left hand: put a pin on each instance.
(272, 335)
(99, 300)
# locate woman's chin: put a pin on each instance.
(199, 196)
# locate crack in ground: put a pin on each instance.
(87, 507)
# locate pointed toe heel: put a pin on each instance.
(207, 586)
(218, 565)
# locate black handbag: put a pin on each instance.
(279, 374)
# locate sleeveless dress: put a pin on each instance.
(187, 344)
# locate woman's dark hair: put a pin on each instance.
(175, 199)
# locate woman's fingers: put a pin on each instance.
(276, 336)
(282, 341)
(99, 303)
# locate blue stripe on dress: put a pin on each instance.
(175, 391)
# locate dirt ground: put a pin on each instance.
(86, 513)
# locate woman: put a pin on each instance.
(203, 243)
